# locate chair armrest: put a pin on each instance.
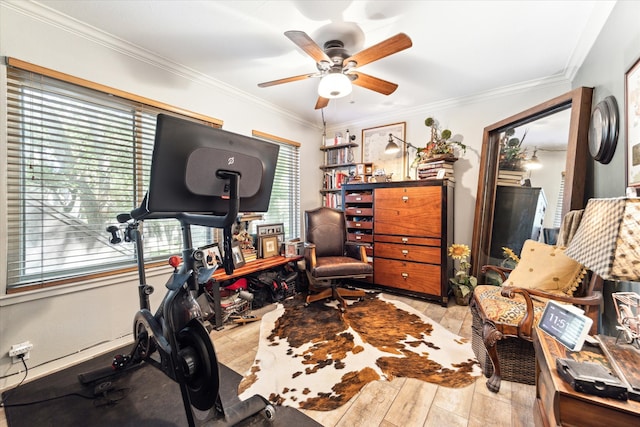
(356, 250)
(502, 271)
(310, 256)
(590, 303)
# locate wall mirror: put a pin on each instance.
(513, 200)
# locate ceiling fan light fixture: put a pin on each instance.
(334, 85)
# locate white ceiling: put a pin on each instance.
(460, 48)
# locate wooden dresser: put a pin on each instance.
(409, 226)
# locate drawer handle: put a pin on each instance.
(359, 199)
(358, 211)
(405, 275)
(405, 199)
(405, 240)
(358, 224)
(405, 252)
(358, 237)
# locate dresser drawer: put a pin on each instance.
(410, 276)
(357, 237)
(407, 240)
(358, 198)
(357, 211)
(426, 254)
(413, 211)
(362, 225)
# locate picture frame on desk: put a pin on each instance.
(269, 229)
(238, 257)
(270, 246)
(212, 254)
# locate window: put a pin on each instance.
(76, 158)
(285, 195)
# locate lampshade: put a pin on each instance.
(608, 239)
(334, 85)
(391, 148)
(534, 162)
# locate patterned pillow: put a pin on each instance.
(546, 268)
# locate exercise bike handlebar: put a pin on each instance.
(207, 220)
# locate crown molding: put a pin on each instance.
(54, 18)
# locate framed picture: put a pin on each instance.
(212, 254)
(269, 229)
(632, 123)
(238, 258)
(270, 246)
(374, 142)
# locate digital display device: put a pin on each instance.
(566, 324)
(187, 157)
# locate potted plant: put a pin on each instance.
(512, 155)
(440, 144)
(462, 283)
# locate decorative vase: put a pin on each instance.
(461, 299)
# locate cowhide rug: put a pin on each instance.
(318, 358)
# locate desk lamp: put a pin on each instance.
(393, 148)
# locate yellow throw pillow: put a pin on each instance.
(546, 268)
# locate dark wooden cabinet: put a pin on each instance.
(412, 227)
(518, 216)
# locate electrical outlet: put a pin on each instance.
(21, 349)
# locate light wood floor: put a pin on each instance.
(401, 402)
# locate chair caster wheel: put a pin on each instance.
(306, 304)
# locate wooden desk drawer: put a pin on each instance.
(411, 276)
(358, 198)
(426, 254)
(356, 211)
(413, 211)
(408, 240)
(357, 237)
(362, 225)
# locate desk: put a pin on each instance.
(559, 404)
(251, 267)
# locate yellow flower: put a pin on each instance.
(459, 251)
(510, 254)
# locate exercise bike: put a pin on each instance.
(175, 339)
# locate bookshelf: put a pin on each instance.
(338, 166)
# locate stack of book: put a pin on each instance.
(441, 169)
(249, 254)
(511, 178)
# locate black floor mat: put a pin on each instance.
(140, 397)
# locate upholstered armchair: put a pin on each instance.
(330, 259)
(504, 316)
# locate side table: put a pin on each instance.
(557, 404)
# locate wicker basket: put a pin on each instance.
(516, 356)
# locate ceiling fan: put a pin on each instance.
(337, 68)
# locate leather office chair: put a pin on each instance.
(330, 258)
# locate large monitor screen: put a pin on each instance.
(187, 159)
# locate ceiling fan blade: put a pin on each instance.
(387, 47)
(289, 79)
(304, 42)
(373, 83)
(321, 102)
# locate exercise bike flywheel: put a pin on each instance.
(199, 365)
